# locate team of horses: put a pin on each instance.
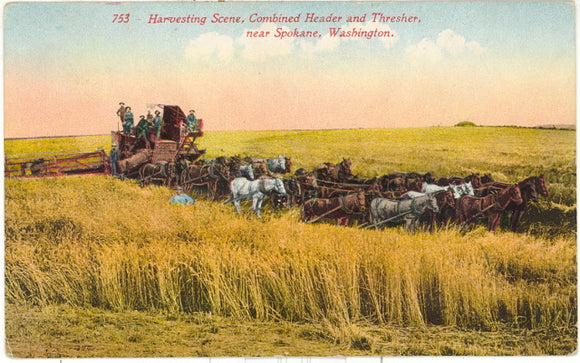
(330, 191)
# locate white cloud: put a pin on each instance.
(451, 42)
(208, 45)
(425, 50)
(448, 43)
(475, 48)
(329, 43)
(261, 48)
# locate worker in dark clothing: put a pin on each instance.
(157, 124)
(191, 121)
(121, 112)
(114, 157)
(143, 129)
(128, 121)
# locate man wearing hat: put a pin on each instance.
(191, 121)
(121, 111)
(180, 198)
(114, 157)
(143, 129)
(157, 123)
(128, 121)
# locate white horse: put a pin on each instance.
(433, 188)
(462, 189)
(410, 210)
(256, 190)
(411, 194)
(457, 190)
(246, 171)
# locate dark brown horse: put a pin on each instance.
(468, 208)
(300, 187)
(510, 195)
(149, 173)
(473, 178)
(262, 167)
(340, 208)
(240, 168)
(491, 206)
(338, 173)
(529, 188)
(486, 178)
(207, 174)
(398, 183)
(399, 186)
(446, 213)
(171, 174)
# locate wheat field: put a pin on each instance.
(98, 242)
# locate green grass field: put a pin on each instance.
(82, 253)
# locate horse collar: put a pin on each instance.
(343, 206)
(498, 203)
(414, 209)
(261, 186)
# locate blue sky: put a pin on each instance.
(75, 51)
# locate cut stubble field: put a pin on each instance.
(98, 267)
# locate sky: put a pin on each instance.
(68, 65)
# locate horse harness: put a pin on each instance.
(413, 209)
(341, 206)
(262, 187)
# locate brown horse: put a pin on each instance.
(468, 208)
(162, 171)
(338, 173)
(510, 195)
(529, 188)
(340, 208)
(474, 179)
(446, 204)
(149, 173)
(200, 174)
(171, 173)
(398, 186)
(300, 187)
(266, 167)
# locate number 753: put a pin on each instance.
(121, 18)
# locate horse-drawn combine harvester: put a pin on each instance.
(330, 191)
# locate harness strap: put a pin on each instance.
(343, 206)
(162, 167)
(323, 214)
(414, 209)
(478, 214)
(261, 186)
(499, 206)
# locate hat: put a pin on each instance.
(121, 103)
(142, 116)
(191, 111)
(157, 112)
